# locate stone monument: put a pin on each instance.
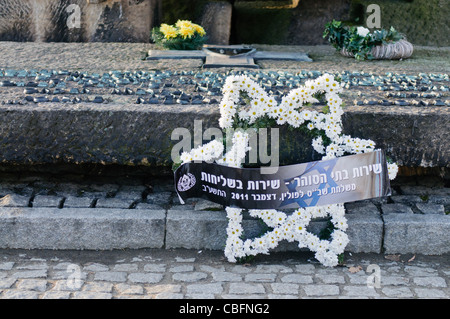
(216, 20)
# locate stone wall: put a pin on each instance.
(56, 21)
(300, 25)
(216, 19)
(424, 22)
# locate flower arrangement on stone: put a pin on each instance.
(328, 140)
(360, 43)
(183, 35)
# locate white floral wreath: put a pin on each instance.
(290, 111)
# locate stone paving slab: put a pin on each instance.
(365, 232)
(144, 225)
(196, 229)
(207, 230)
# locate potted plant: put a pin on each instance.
(183, 35)
(360, 43)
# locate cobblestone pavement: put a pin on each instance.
(192, 274)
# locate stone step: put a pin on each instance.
(141, 135)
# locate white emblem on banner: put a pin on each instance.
(186, 182)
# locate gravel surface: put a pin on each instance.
(128, 56)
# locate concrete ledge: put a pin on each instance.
(92, 134)
(133, 134)
(72, 228)
(196, 229)
(207, 230)
(412, 136)
(105, 229)
(416, 233)
(365, 228)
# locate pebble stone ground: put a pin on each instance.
(192, 274)
(112, 72)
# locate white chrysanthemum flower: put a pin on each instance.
(186, 157)
(317, 145)
(362, 31)
(392, 170)
(340, 222)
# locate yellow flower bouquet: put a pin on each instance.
(183, 35)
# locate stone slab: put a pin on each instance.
(175, 54)
(105, 229)
(78, 202)
(47, 201)
(72, 228)
(85, 134)
(396, 209)
(408, 135)
(416, 233)
(215, 61)
(287, 56)
(429, 208)
(14, 200)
